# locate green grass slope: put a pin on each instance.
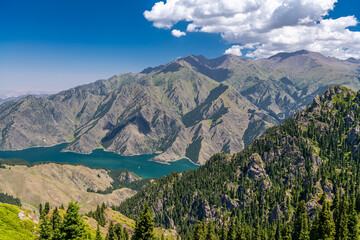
(17, 223)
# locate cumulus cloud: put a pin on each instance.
(264, 26)
(178, 33)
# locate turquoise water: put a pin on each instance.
(140, 164)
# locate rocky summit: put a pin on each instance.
(192, 107)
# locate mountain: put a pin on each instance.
(192, 107)
(283, 83)
(353, 60)
(313, 156)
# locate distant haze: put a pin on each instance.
(4, 94)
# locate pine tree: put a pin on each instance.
(144, 228)
(314, 228)
(353, 223)
(232, 230)
(47, 208)
(200, 230)
(342, 221)
(278, 232)
(98, 233)
(56, 222)
(210, 235)
(40, 210)
(99, 215)
(301, 225)
(357, 202)
(45, 231)
(73, 225)
(242, 234)
(286, 232)
(125, 234)
(111, 235)
(257, 235)
(223, 231)
(118, 231)
(326, 226)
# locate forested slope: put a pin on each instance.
(312, 156)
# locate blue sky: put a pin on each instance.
(51, 45)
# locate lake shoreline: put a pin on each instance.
(141, 165)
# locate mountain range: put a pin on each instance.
(192, 107)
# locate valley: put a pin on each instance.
(192, 107)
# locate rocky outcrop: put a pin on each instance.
(128, 177)
(256, 167)
(353, 135)
(276, 213)
(230, 203)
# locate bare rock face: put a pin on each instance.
(328, 189)
(128, 177)
(230, 203)
(170, 223)
(311, 208)
(206, 211)
(353, 135)
(276, 213)
(256, 167)
(317, 161)
(350, 119)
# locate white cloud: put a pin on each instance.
(266, 26)
(236, 50)
(178, 33)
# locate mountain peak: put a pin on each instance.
(210, 63)
(353, 60)
(284, 55)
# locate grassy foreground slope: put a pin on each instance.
(61, 183)
(17, 223)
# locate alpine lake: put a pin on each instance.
(139, 164)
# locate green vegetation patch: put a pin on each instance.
(11, 227)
